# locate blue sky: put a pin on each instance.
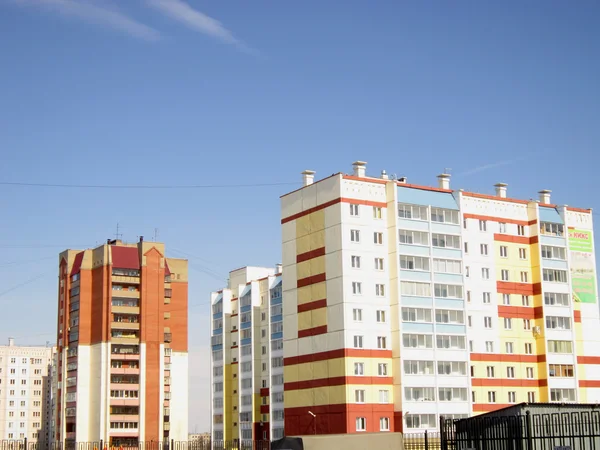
(166, 92)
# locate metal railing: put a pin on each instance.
(131, 444)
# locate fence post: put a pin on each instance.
(426, 441)
(101, 444)
(528, 433)
(442, 434)
(25, 443)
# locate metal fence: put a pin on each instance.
(575, 430)
(422, 441)
(24, 444)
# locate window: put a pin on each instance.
(451, 368)
(277, 361)
(361, 424)
(487, 322)
(525, 300)
(412, 212)
(445, 240)
(355, 235)
(506, 299)
(473, 397)
(380, 290)
(483, 248)
(529, 372)
(419, 394)
(491, 373)
(377, 212)
(509, 346)
(501, 227)
(358, 342)
(489, 346)
(483, 225)
(487, 297)
(382, 369)
(421, 421)
(470, 321)
(485, 273)
(560, 347)
(354, 210)
(507, 323)
(468, 296)
(522, 253)
(263, 333)
(562, 395)
(416, 315)
(447, 266)
(414, 263)
(524, 277)
(444, 216)
(378, 238)
(413, 237)
(357, 315)
(449, 316)
(527, 324)
(531, 397)
(560, 370)
(504, 275)
(381, 342)
(448, 291)
(447, 394)
(356, 287)
(556, 299)
(512, 397)
(558, 323)
(384, 422)
(415, 288)
(491, 397)
(359, 396)
(359, 369)
(552, 229)
(528, 349)
(467, 272)
(380, 316)
(450, 342)
(418, 367)
(466, 247)
(503, 251)
(520, 230)
(510, 372)
(417, 340)
(355, 262)
(549, 252)
(378, 263)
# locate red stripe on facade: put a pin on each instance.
(491, 197)
(264, 409)
(516, 239)
(589, 383)
(577, 316)
(581, 210)
(312, 331)
(335, 354)
(317, 304)
(424, 188)
(508, 287)
(522, 312)
(497, 357)
(508, 382)
(337, 381)
(310, 255)
(500, 219)
(588, 360)
(354, 201)
(264, 392)
(311, 280)
(489, 407)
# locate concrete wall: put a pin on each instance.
(354, 441)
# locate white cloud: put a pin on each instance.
(196, 20)
(93, 12)
(489, 166)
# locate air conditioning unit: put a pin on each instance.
(537, 330)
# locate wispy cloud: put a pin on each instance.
(198, 21)
(95, 13)
(478, 169)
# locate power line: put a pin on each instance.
(16, 263)
(143, 186)
(25, 283)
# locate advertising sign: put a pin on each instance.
(583, 276)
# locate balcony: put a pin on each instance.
(125, 356)
(124, 279)
(125, 340)
(124, 401)
(124, 386)
(125, 325)
(125, 370)
(168, 337)
(168, 293)
(124, 293)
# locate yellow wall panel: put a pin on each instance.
(305, 320)
(319, 317)
(327, 395)
(318, 291)
(302, 245)
(317, 220)
(317, 240)
(303, 226)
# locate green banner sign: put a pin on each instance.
(583, 276)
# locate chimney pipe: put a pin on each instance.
(501, 189)
(360, 168)
(308, 177)
(443, 181)
(278, 268)
(384, 175)
(545, 196)
(11, 342)
(141, 238)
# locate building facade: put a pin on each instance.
(122, 363)
(25, 392)
(403, 303)
(247, 356)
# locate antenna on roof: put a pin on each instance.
(447, 170)
(117, 234)
(156, 235)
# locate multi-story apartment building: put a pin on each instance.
(122, 366)
(247, 356)
(403, 303)
(25, 392)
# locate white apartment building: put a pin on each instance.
(25, 392)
